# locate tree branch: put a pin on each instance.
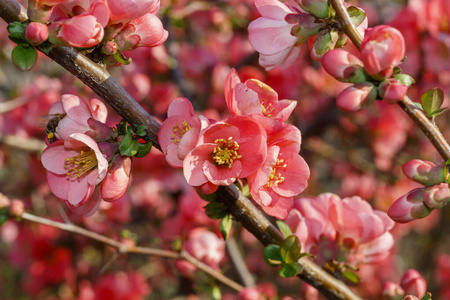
(431, 130)
(243, 210)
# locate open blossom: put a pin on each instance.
(226, 151)
(255, 97)
(330, 228)
(123, 11)
(180, 131)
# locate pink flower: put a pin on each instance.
(36, 33)
(146, 31)
(343, 66)
(271, 36)
(255, 97)
(179, 133)
(382, 49)
(226, 151)
(75, 167)
(413, 283)
(356, 97)
(123, 11)
(206, 246)
(117, 179)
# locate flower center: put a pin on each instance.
(179, 131)
(275, 177)
(226, 152)
(267, 109)
(80, 164)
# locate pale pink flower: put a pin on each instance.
(75, 167)
(255, 97)
(226, 151)
(179, 133)
(123, 11)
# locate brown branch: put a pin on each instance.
(422, 121)
(243, 210)
(126, 248)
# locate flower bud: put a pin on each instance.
(117, 179)
(410, 297)
(413, 283)
(325, 41)
(409, 207)
(17, 208)
(356, 97)
(344, 66)
(392, 90)
(35, 33)
(391, 290)
(250, 294)
(318, 8)
(382, 48)
(109, 48)
(437, 196)
(424, 172)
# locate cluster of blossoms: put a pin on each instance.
(283, 28)
(254, 143)
(341, 231)
(371, 70)
(411, 284)
(82, 158)
(419, 202)
(115, 25)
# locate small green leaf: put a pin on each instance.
(24, 57)
(290, 249)
(225, 226)
(128, 146)
(3, 219)
(216, 294)
(122, 127)
(290, 270)
(272, 255)
(405, 79)
(15, 30)
(356, 15)
(215, 210)
(427, 296)
(45, 47)
(122, 58)
(284, 228)
(141, 130)
(143, 150)
(352, 276)
(432, 100)
(438, 112)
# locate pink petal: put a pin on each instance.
(193, 164)
(59, 185)
(181, 106)
(296, 175)
(221, 175)
(54, 155)
(280, 207)
(272, 9)
(230, 82)
(247, 101)
(89, 207)
(269, 36)
(79, 190)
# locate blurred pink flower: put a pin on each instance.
(123, 11)
(206, 246)
(413, 283)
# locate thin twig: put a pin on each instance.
(238, 263)
(126, 248)
(422, 121)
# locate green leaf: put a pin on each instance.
(432, 100)
(141, 130)
(405, 79)
(272, 255)
(128, 146)
(284, 228)
(427, 296)
(225, 226)
(45, 47)
(122, 127)
(438, 112)
(143, 150)
(3, 219)
(216, 294)
(356, 15)
(215, 210)
(352, 276)
(24, 57)
(290, 270)
(15, 30)
(122, 58)
(290, 249)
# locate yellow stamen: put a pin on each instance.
(275, 177)
(267, 109)
(226, 152)
(179, 131)
(81, 163)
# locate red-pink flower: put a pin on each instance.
(226, 151)
(75, 167)
(255, 97)
(180, 131)
(382, 49)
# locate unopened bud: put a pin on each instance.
(110, 48)
(437, 196)
(318, 8)
(391, 290)
(413, 283)
(357, 97)
(409, 207)
(344, 66)
(35, 33)
(17, 208)
(250, 294)
(410, 297)
(424, 172)
(392, 90)
(325, 41)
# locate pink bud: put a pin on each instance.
(382, 49)
(356, 97)
(110, 48)
(343, 66)
(437, 196)
(80, 31)
(250, 294)
(17, 208)
(325, 41)
(409, 207)
(423, 171)
(4, 201)
(36, 33)
(413, 283)
(392, 90)
(391, 290)
(117, 179)
(410, 297)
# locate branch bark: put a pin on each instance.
(243, 210)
